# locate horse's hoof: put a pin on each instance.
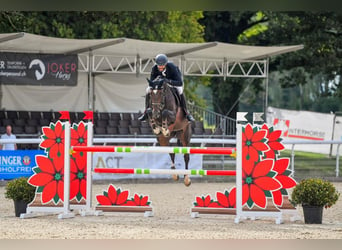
(156, 131)
(187, 181)
(166, 132)
(175, 177)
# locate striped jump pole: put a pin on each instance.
(145, 149)
(164, 171)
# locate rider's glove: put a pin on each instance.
(158, 83)
(168, 81)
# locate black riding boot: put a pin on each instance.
(144, 116)
(183, 104)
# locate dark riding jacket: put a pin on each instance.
(170, 72)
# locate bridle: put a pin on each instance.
(159, 104)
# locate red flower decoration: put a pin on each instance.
(120, 198)
(78, 177)
(273, 137)
(49, 177)
(227, 199)
(78, 136)
(255, 181)
(53, 140)
(281, 167)
(205, 202)
(253, 143)
(112, 197)
(138, 201)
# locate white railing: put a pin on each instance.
(294, 143)
(213, 119)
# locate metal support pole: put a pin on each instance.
(90, 82)
(292, 159)
(338, 160)
(266, 88)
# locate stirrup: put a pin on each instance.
(190, 118)
(143, 117)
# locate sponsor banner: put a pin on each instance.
(17, 163)
(303, 125)
(38, 69)
(140, 160)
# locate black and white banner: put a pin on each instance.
(38, 69)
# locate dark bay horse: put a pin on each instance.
(168, 120)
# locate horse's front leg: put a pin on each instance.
(156, 129)
(175, 177)
(168, 117)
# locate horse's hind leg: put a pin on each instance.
(175, 177)
(187, 180)
(185, 139)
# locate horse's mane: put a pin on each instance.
(173, 92)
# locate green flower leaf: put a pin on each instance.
(287, 172)
(250, 203)
(37, 170)
(284, 191)
(56, 198)
(268, 193)
(79, 196)
(271, 174)
(40, 189)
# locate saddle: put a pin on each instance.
(176, 96)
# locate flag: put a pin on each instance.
(64, 115)
(88, 115)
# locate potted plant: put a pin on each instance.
(21, 192)
(314, 194)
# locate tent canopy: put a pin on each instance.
(126, 60)
(29, 43)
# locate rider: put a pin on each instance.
(172, 75)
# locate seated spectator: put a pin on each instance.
(8, 135)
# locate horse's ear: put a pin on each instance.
(149, 81)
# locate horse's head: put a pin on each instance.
(157, 97)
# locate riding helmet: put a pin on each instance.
(161, 59)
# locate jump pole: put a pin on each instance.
(165, 171)
(156, 149)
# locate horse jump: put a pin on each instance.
(87, 210)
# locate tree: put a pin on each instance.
(173, 26)
(227, 27)
(319, 63)
(306, 76)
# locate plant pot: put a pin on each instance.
(20, 207)
(313, 214)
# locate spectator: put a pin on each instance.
(8, 135)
